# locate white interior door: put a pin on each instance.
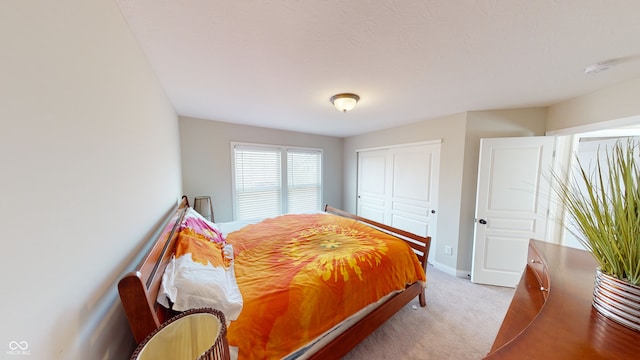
(398, 186)
(511, 206)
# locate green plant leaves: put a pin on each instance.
(605, 207)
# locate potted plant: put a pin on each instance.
(604, 208)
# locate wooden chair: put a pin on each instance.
(204, 206)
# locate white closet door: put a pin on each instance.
(414, 188)
(372, 184)
(398, 186)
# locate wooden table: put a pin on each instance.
(551, 317)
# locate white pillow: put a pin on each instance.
(190, 285)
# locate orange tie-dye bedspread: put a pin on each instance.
(300, 275)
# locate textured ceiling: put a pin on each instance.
(276, 63)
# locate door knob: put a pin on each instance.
(433, 211)
(482, 221)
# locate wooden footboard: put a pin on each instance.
(349, 339)
(359, 331)
(419, 244)
(139, 288)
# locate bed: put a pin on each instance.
(140, 290)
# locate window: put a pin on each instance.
(273, 180)
(303, 180)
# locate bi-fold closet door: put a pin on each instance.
(398, 186)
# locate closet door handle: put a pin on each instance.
(482, 221)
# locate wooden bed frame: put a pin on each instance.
(139, 288)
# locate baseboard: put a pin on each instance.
(463, 274)
(452, 271)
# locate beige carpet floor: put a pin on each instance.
(460, 322)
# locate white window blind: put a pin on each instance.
(271, 180)
(258, 185)
(304, 181)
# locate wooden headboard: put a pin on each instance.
(145, 279)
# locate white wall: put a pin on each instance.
(614, 107)
(608, 104)
(460, 136)
(451, 130)
(488, 124)
(206, 159)
(89, 148)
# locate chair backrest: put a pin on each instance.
(204, 206)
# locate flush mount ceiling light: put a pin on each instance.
(345, 102)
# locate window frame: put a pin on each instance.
(284, 183)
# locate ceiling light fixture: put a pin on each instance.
(345, 102)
